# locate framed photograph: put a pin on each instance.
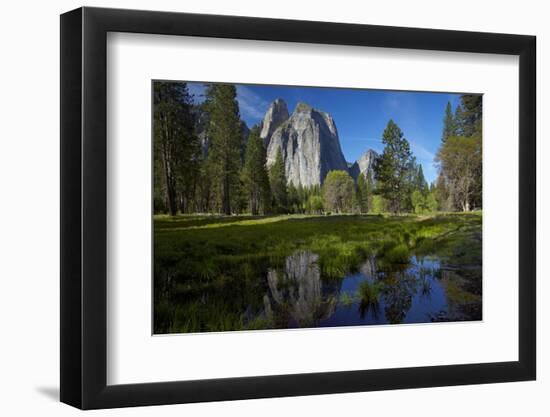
(257, 208)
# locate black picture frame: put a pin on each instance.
(84, 207)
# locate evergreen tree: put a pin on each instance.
(412, 182)
(239, 197)
(176, 147)
(365, 191)
(459, 185)
(254, 175)
(362, 194)
(418, 202)
(448, 123)
(302, 197)
(458, 120)
(278, 183)
(472, 113)
(293, 199)
(472, 110)
(420, 182)
(204, 189)
(392, 168)
(225, 136)
(370, 191)
(423, 202)
(431, 202)
(468, 115)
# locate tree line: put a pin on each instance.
(204, 164)
(400, 182)
(459, 183)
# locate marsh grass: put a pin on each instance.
(369, 292)
(346, 299)
(369, 295)
(227, 257)
(193, 248)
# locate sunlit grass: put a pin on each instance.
(216, 245)
(193, 253)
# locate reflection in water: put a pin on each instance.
(399, 289)
(418, 292)
(296, 294)
(369, 293)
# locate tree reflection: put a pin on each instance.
(397, 294)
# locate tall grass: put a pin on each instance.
(217, 253)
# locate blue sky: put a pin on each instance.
(360, 115)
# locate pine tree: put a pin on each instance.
(392, 168)
(418, 202)
(278, 183)
(365, 192)
(459, 185)
(254, 174)
(225, 136)
(431, 202)
(421, 184)
(471, 114)
(176, 147)
(468, 115)
(302, 197)
(370, 191)
(448, 123)
(293, 198)
(362, 194)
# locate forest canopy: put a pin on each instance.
(206, 160)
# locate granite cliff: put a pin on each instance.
(308, 140)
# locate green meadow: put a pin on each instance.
(210, 271)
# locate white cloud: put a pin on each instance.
(250, 104)
(426, 158)
(421, 152)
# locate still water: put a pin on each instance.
(414, 294)
(295, 295)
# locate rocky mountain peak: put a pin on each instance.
(364, 164)
(303, 108)
(309, 143)
(276, 114)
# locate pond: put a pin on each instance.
(294, 294)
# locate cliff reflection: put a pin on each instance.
(297, 296)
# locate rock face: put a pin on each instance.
(275, 115)
(308, 141)
(364, 165)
